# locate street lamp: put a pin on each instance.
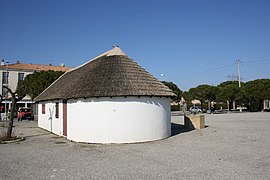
(163, 75)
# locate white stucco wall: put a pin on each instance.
(118, 119)
(13, 78)
(48, 120)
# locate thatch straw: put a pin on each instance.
(106, 76)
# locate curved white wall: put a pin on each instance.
(118, 119)
(48, 120)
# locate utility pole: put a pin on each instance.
(239, 78)
(239, 74)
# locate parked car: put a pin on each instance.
(25, 113)
(196, 109)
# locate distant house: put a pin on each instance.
(10, 74)
(110, 99)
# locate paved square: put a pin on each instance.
(233, 146)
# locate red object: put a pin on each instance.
(25, 113)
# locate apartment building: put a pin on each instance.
(10, 74)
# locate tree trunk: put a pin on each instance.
(14, 101)
(11, 117)
(10, 126)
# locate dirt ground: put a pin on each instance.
(233, 146)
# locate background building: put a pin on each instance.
(10, 74)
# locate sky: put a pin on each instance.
(190, 42)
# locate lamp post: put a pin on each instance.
(163, 77)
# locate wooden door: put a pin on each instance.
(65, 117)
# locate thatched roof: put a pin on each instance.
(109, 75)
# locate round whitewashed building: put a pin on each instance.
(110, 99)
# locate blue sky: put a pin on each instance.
(191, 42)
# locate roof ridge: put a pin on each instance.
(116, 51)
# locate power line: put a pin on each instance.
(221, 68)
(268, 59)
(207, 71)
(258, 63)
(262, 61)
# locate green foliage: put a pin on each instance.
(35, 83)
(251, 94)
(203, 92)
(21, 89)
(226, 83)
(255, 92)
(228, 91)
(175, 108)
(186, 96)
(175, 90)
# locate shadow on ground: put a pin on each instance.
(178, 128)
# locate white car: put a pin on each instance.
(195, 109)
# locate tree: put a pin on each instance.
(204, 92)
(32, 85)
(255, 92)
(230, 91)
(15, 97)
(175, 90)
(38, 81)
(186, 96)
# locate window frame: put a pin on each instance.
(20, 78)
(43, 108)
(5, 76)
(57, 110)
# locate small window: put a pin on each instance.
(43, 108)
(57, 110)
(20, 76)
(5, 78)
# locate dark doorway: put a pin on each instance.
(65, 117)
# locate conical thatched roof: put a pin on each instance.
(109, 75)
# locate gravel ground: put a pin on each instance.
(233, 146)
